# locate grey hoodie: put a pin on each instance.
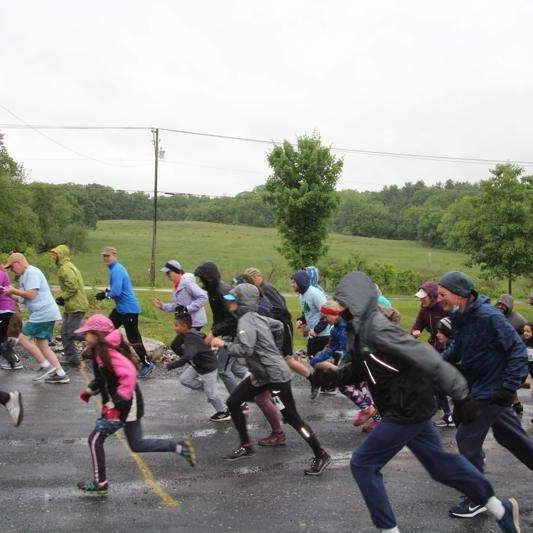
(258, 340)
(515, 319)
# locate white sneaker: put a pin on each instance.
(46, 372)
(17, 365)
(14, 407)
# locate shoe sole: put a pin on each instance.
(240, 457)
(272, 445)
(92, 492)
(308, 473)
(470, 515)
(220, 419)
(45, 374)
(12, 368)
(64, 382)
(516, 514)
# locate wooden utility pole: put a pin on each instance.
(155, 133)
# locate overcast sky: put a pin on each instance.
(451, 78)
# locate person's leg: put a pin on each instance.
(117, 318)
(450, 469)
(210, 385)
(239, 370)
(131, 325)
(245, 391)
(508, 432)
(33, 350)
(4, 323)
(176, 345)
(96, 446)
(264, 402)
(189, 378)
(224, 370)
(51, 357)
(368, 460)
(138, 444)
(71, 322)
(357, 395)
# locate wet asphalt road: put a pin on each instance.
(42, 460)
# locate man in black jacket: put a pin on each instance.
(224, 324)
(401, 373)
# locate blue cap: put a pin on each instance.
(230, 298)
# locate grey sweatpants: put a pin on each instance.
(208, 382)
(71, 322)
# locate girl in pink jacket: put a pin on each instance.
(115, 379)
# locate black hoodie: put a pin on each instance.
(224, 323)
(400, 371)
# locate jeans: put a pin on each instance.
(136, 441)
(507, 431)
(231, 372)
(247, 392)
(206, 382)
(71, 322)
(130, 321)
(422, 439)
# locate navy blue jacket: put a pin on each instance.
(492, 354)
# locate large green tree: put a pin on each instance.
(497, 226)
(301, 192)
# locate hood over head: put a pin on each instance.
(508, 301)
(431, 288)
(62, 251)
(359, 295)
(209, 274)
(247, 296)
(301, 278)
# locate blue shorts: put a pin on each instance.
(39, 330)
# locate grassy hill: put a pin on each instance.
(234, 248)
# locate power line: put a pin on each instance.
(355, 151)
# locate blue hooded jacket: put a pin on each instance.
(492, 354)
(337, 343)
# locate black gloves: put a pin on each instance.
(466, 411)
(174, 364)
(101, 295)
(60, 300)
(322, 378)
(503, 397)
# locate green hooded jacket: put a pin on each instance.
(70, 282)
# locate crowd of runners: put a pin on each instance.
(478, 355)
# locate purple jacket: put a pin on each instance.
(7, 304)
(191, 296)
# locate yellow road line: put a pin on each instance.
(146, 473)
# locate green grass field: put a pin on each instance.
(234, 248)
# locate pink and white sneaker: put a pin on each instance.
(363, 415)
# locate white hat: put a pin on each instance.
(421, 294)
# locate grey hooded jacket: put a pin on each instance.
(515, 319)
(400, 371)
(258, 340)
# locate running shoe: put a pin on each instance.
(188, 451)
(274, 439)
(15, 365)
(370, 425)
(240, 453)
(314, 392)
(445, 422)
(363, 415)
(221, 416)
(510, 522)
(55, 378)
(14, 407)
(328, 390)
(318, 464)
(467, 509)
(90, 487)
(146, 369)
(45, 373)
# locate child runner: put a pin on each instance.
(115, 379)
(10, 326)
(527, 337)
(358, 394)
(12, 401)
(443, 339)
(259, 341)
(202, 374)
(400, 372)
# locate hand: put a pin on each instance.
(299, 324)
(156, 302)
(416, 333)
(102, 295)
(9, 290)
(466, 410)
(217, 342)
(60, 300)
(209, 337)
(503, 397)
(85, 395)
(110, 413)
(312, 333)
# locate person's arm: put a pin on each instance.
(32, 283)
(391, 339)
(419, 324)
(68, 283)
(278, 331)
(514, 350)
(244, 343)
(116, 279)
(327, 353)
(126, 375)
(198, 295)
(188, 351)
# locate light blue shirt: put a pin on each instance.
(311, 300)
(43, 307)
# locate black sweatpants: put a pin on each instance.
(316, 344)
(130, 321)
(246, 392)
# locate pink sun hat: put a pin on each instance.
(96, 323)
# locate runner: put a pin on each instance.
(74, 300)
(259, 341)
(202, 373)
(430, 313)
(494, 363)
(43, 311)
(127, 308)
(115, 380)
(12, 401)
(10, 326)
(400, 373)
(444, 338)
